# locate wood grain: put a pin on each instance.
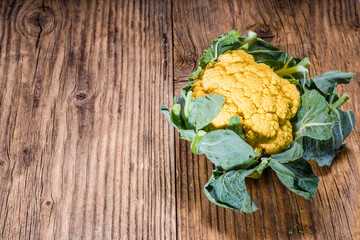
(328, 32)
(81, 153)
(85, 152)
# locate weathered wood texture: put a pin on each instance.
(85, 151)
(328, 32)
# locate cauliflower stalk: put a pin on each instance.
(264, 101)
(248, 107)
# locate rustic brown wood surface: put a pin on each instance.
(85, 152)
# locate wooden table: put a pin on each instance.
(86, 153)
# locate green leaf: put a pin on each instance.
(235, 125)
(323, 152)
(202, 110)
(293, 68)
(293, 153)
(283, 65)
(227, 150)
(325, 82)
(184, 101)
(291, 231)
(194, 75)
(197, 140)
(259, 169)
(264, 52)
(248, 40)
(186, 112)
(184, 133)
(312, 119)
(211, 193)
(333, 95)
(339, 102)
(175, 114)
(221, 44)
(229, 190)
(295, 73)
(297, 176)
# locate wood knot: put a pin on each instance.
(2, 162)
(27, 157)
(355, 25)
(263, 31)
(82, 98)
(35, 21)
(185, 65)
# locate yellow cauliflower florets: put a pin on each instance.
(264, 101)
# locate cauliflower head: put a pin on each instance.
(264, 101)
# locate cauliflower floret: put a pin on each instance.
(264, 101)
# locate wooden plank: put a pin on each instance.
(328, 33)
(81, 154)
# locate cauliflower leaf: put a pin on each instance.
(326, 82)
(229, 190)
(323, 152)
(204, 109)
(313, 119)
(227, 150)
(184, 133)
(235, 125)
(297, 176)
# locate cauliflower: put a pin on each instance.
(264, 101)
(236, 109)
